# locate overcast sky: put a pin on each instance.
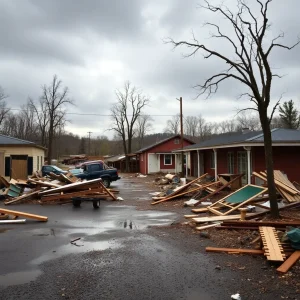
(94, 46)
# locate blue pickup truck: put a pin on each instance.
(97, 169)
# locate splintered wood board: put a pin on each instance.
(23, 214)
(235, 250)
(217, 218)
(272, 246)
(289, 262)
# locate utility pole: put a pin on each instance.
(181, 136)
(89, 142)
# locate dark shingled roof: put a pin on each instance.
(161, 142)
(279, 135)
(8, 140)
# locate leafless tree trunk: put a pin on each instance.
(143, 126)
(173, 125)
(129, 106)
(248, 64)
(54, 100)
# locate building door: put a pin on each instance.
(19, 167)
(243, 166)
(153, 163)
(201, 154)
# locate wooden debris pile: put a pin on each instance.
(194, 188)
(237, 211)
(52, 189)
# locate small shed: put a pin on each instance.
(19, 158)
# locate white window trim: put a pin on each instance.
(165, 160)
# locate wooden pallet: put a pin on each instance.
(272, 246)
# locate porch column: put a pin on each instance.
(248, 149)
(198, 158)
(186, 164)
(216, 164)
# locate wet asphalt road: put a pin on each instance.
(119, 255)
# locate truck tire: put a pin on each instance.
(106, 182)
(76, 203)
(96, 203)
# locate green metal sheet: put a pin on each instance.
(244, 194)
(14, 190)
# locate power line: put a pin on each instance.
(100, 115)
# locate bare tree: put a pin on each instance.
(205, 129)
(227, 126)
(173, 125)
(3, 106)
(248, 120)
(125, 112)
(55, 98)
(248, 64)
(191, 125)
(143, 127)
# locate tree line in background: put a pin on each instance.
(43, 122)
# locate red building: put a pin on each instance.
(237, 153)
(159, 157)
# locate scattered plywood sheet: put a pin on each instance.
(289, 262)
(23, 214)
(272, 246)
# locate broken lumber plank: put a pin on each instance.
(23, 214)
(216, 218)
(235, 250)
(218, 190)
(44, 183)
(4, 181)
(207, 226)
(229, 227)
(81, 185)
(289, 262)
(199, 210)
(272, 247)
(262, 223)
(24, 196)
(12, 221)
(190, 216)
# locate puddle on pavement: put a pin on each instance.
(16, 278)
(73, 248)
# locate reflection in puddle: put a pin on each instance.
(16, 278)
(129, 224)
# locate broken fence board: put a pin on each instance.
(289, 262)
(23, 214)
(272, 247)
